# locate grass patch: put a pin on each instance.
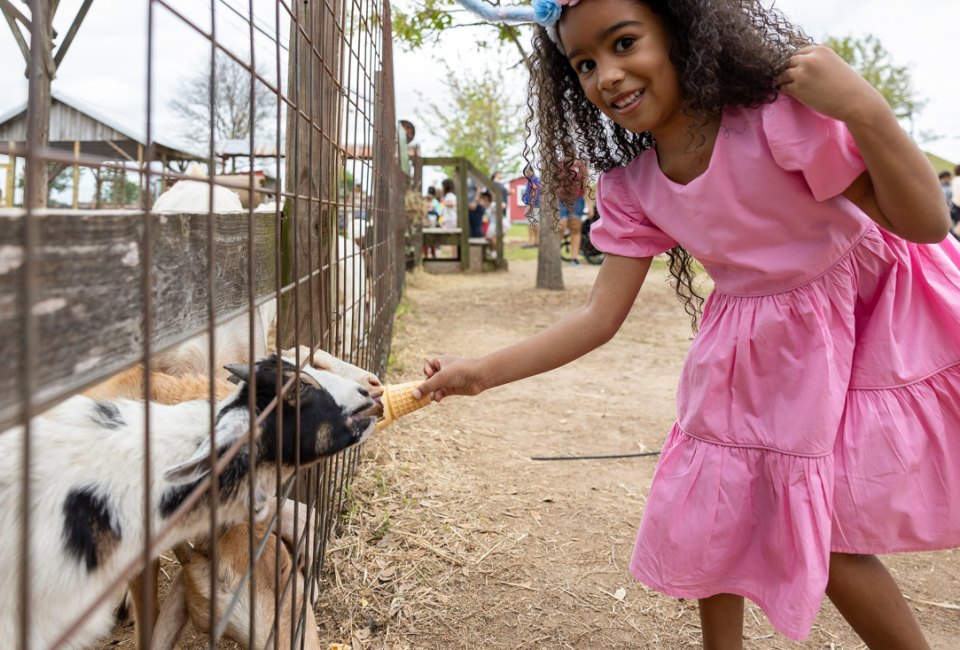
(514, 252)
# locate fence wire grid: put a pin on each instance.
(257, 212)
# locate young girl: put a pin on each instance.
(819, 407)
(448, 217)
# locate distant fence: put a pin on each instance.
(85, 294)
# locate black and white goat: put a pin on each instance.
(86, 477)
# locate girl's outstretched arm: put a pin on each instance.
(900, 190)
(577, 333)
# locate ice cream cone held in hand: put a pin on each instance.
(398, 400)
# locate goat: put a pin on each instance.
(164, 388)
(189, 594)
(194, 196)
(86, 518)
(170, 389)
(349, 284)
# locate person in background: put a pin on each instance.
(448, 217)
(477, 209)
(358, 202)
(491, 228)
(955, 198)
(531, 197)
(431, 215)
(497, 178)
(573, 205)
(432, 205)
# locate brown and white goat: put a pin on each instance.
(189, 593)
(86, 485)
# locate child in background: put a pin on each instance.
(819, 407)
(477, 210)
(531, 198)
(433, 208)
(448, 213)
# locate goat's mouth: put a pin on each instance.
(376, 410)
(362, 426)
(364, 419)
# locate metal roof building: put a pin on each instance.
(100, 139)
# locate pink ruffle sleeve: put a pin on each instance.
(623, 228)
(819, 147)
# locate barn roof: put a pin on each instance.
(99, 136)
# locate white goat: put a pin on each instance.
(190, 196)
(86, 513)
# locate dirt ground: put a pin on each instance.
(456, 538)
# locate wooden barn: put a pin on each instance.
(79, 137)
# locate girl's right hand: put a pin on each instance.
(448, 375)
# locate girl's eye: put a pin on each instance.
(585, 66)
(623, 44)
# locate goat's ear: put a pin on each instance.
(231, 426)
(193, 469)
(238, 372)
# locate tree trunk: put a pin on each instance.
(549, 267)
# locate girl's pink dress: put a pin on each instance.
(819, 406)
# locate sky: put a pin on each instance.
(105, 68)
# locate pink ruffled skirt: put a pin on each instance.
(823, 418)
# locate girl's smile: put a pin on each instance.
(627, 102)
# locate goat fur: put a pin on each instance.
(86, 513)
(189, 595)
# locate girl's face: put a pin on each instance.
(620, 51)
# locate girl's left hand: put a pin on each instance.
(817, 77)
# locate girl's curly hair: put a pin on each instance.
(728, 53)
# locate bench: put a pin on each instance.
(479, 258)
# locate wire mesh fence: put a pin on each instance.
(194, 315)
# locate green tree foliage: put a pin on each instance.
(478, 120)
(428, 20)
(868, 56)
(425, 23)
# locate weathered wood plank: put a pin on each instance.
(88, 307)
(313, 171)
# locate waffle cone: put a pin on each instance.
(398, 400)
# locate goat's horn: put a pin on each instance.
(238, 370)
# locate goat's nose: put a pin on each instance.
(373, 381)
(364, 391)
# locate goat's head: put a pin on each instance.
(323, 360)
(334, 413)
